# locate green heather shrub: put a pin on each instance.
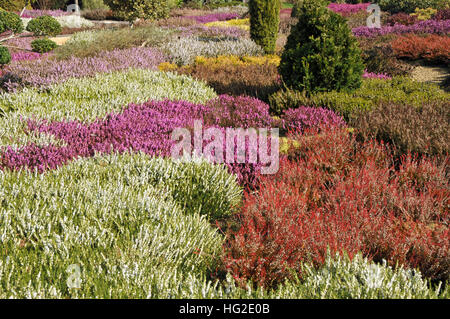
(130, 239)
(373, 91)
(43, 45)
(45, 25)
(5, 56)
(264, 22)
(145, 9)
(321, 54)
(86, 99)
(90, 43)
(408, 6)
(424, 130)
(10, 21)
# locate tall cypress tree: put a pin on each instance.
(264, 23)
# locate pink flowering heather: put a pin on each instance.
(220, 16)
(347, 9)
(304, 118)
(241, 111)
(48, 71)
(39, 13)
(24, 56)
(146, 127)
(428, 26)
(370, 75)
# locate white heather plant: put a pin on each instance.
(86, 99)
(119, 218)
(184, 50)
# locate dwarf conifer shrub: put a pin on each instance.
(321, 54)
(43, 45)
(45, 25)
(264, 22)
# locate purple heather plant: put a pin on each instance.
(25, 56)
(240, 111)
(428, 26)
(303, 118)
(46, 71)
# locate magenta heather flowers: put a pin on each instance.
(346, 9)
(303, 118)
(370, 75)
(146, 127)
(428, 26)
(25, 56)
(47, 71)
(241, 111)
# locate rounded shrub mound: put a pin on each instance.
(264, 22)
(145, 9)
(45, 25)
(10, 21)
(43, 45)
(321, 54)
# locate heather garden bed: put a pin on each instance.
(359, 207)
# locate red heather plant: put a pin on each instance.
(340, 196)
(432, 47)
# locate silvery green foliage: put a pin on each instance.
(184, 50)
(68, 21)
(130, 237)
(89, 98)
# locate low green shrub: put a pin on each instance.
(373, 91)
(45, 25)
(10, 21)
(408, 6)
(43, 45)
